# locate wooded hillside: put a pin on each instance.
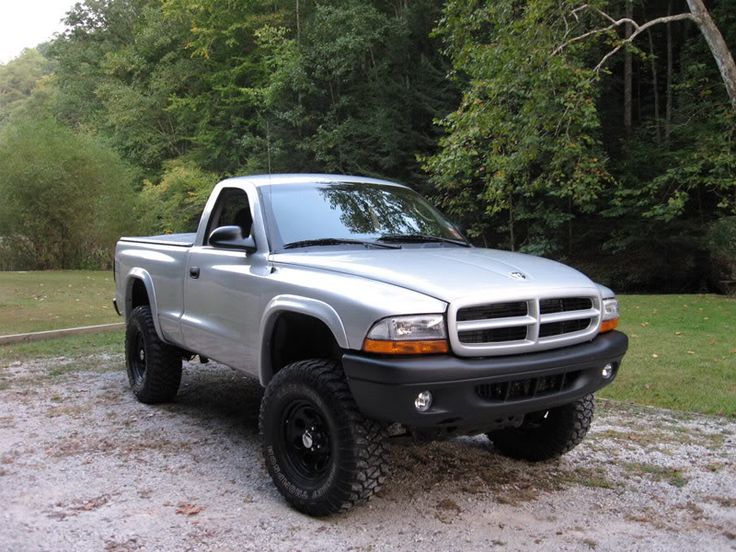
(599, 133)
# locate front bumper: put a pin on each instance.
(476, 394)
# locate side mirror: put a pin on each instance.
(231, 237)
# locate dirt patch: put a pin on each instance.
(83, 466)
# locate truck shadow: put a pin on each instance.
(214, 393)
(225, 404)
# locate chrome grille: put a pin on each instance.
(522, 325)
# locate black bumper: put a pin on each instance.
(477, 393)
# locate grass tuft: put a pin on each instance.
(673, 476)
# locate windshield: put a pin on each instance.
(351, 211)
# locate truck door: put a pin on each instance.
(219, 296)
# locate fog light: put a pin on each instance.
(607, 371)
(423, 401)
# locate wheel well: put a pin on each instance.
(138, 294)
(299, 337)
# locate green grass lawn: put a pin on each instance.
(71, 346)
(682, 353)
(48, 300)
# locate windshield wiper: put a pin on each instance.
(421, 238)
(338, 241)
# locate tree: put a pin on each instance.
(20, 78)
(119, 65)
(66, 197)
(175, 203)
(524, 142)
(699, 15)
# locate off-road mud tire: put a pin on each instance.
(349, 464)
(154, 367)
(548, 434)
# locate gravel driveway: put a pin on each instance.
(83, 466)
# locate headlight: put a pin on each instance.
(609, 315)
(408, 335)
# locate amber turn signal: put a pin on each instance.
(416, 347)
(608, 325)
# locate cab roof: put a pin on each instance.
(305, 178)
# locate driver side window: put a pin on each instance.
(232, 209)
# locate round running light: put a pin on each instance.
(607, 371)
(423, 402)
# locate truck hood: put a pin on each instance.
(447, 273)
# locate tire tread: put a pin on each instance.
(163, 362)
(359, 482)
(550, 440)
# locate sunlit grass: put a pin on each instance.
(682, 353)
(47, 300)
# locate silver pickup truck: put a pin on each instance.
(365, 314)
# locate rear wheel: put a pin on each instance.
(323, 455)
(546, 434)
(154, 367)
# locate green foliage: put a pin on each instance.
(349, 87)
(536, 156)
(66, 197)
(524, 143)
(486, 105)
(23, 81)
(670, 187)
(118, 66)
(175, 203)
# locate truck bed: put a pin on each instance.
(179, 240)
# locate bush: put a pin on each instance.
(175, 204)
(67, 197)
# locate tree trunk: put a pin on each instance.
(655, 81)
(512, 238)
(628, 29)
(717, 45)
(655, 88)
(670, 67)
(298, 25)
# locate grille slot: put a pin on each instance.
(515, 390)
(494, 335)
(564, 304)
(559, 328)
(493, 311)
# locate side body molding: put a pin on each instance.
(137, 273)
(301, 305)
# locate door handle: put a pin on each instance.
(194, 272)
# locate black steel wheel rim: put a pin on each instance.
(305, 441)
(138, 357)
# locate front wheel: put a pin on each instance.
(546, 434)
(323, 455)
